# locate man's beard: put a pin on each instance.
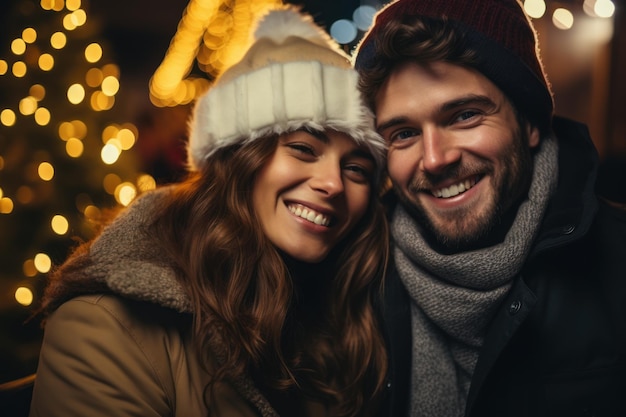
(466, 230)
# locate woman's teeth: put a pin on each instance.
(310, 215)
(454, 189)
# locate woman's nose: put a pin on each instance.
(326, 178)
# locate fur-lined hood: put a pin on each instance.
(125, 259)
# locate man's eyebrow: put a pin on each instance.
(466, 100)
(445, 107)
(392, 122)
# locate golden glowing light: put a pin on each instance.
(19, 69)
(42, 116)
(146, 182)
(37, 91)
(110, 183)
(24, 296)
(72, 4)
(126, 138)
(79, 17)
(93, 52)
(18, 46)
(43, 263)
(45, 171)
(111, 152)
(125, 193)
(69, 23)
(58, 40)
(92, 212)
(29, 35)
(45, 62)
(535, 8)
(94, 77)
(563, 19)
(74, 147)
(29, 268)
(110, 86)
(59, 225)
(28, 105)
(4, 67)
(100, 101)
(6, 205)
(76, 93)
(7, 117)
(604, 8)
(111, 70)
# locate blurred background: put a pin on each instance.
(95, 97)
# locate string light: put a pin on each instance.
(35, 109)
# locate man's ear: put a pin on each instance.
(533, 134)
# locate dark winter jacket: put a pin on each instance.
(557, 346)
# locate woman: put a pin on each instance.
(246, 290)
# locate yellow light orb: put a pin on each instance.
(7, 117)
(19, 69)
(110, 183)
(6, 205)
(4, 67)
(28, 268)
(29, 35)
(111, 152)
(74, 147)
(18, 46)
(110, 86)
(38, 91)
(76, 93)
(58, 40)
(45, 62)
(42, 116)
(93, 52)
(24, 296)
(43, 263)
(59, 224)
(125, 193)
(28, 105)
(45, 171)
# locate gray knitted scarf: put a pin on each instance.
(455, 296)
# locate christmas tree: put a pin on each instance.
(64, 157)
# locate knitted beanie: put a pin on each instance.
(293, 76)
(503, 37)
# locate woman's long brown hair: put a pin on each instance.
(242, 293)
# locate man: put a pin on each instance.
(509, 275)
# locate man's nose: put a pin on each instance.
(439, 150)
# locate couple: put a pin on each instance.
(254, 288)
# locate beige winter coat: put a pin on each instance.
(129, 353)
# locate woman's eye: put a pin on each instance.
(358, 173)
(301, 148)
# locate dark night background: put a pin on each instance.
(589, 86)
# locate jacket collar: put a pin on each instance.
(573, 205)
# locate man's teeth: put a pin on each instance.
(454, 189)
(310, 215)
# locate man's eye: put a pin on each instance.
(403, 135)
(466, 115)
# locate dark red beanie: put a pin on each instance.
(499, 31)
